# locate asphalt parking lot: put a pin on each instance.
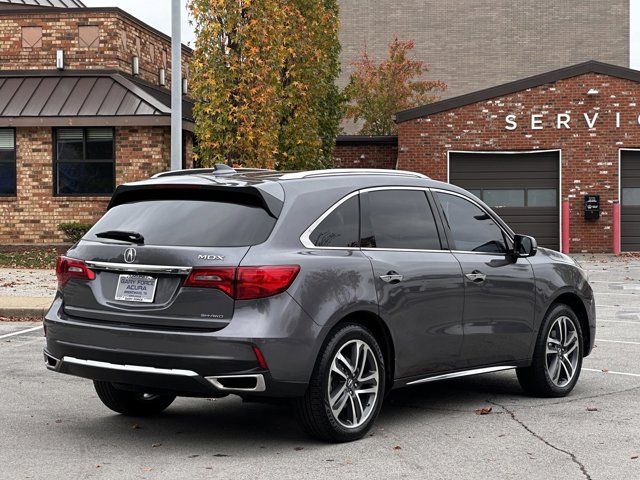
(54, 426)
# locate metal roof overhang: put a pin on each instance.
(83, 98)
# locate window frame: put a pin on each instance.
(526, 195)
(56, 162)
(15, 163)
(506, 231)
(431, 201)
(436, 219)
(305, 238)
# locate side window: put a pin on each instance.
(7, 162)
(341, 228)
(473, 230)
(400, 219)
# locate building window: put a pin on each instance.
(31, 37)
(84, 161)
(88, 36)
(7, 162)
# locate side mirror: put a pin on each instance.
(524, 246)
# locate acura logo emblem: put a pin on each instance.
(130, 255)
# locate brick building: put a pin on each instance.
(556, 154)
(474, 44)
(84, 105)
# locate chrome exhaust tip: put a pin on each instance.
(239, 383)
(50, 362)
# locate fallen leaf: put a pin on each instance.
(592, 409)
(156, 445)
(397, 447)
(484, 411)
(635, 457)
(605, 370)
(220, 455)
(297, 449)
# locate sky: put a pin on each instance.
(157, 13)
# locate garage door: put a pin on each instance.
(522, 188)
(630, 207)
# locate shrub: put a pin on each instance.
(74, 230)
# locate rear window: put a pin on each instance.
(189, 223)
(341, 228)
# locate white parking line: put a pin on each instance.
(20, 332)
(616, 341)
(609, 372)
(619, 321)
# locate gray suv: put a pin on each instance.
(328, 288)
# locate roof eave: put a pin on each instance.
(553, 76)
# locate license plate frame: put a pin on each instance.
(125, 292)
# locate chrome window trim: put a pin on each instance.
(350, 171)
(128, 368)
(305, 237)
(306, 240)
(408, 250)
(470, 200)
(127, 267)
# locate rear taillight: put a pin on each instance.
(262, 282)
(220, 278)
(68, 268)
(245, 283)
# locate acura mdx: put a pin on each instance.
(327, 288)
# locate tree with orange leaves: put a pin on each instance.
(377, 91)
(264, 80)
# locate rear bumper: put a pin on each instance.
(189, 363)
(153, 379)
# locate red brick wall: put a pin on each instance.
(34, 215)
(589, 156)
(120, 38)
(363, 155)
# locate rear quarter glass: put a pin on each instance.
(189, 223)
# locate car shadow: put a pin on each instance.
(230, 427)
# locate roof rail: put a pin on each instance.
(350, 171)
(217, 170)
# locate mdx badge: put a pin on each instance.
(211, 257)
(130, 255)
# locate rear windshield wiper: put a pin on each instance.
(133, 237)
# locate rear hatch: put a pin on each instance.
(153, 259)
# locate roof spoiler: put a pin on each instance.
(267, 196)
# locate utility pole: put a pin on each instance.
(176, 85)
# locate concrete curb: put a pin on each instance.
(23, 307)
(22, 312)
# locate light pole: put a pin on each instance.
(176, 85)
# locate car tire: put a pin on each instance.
(557, 359)
(131, 403)
(348, 378)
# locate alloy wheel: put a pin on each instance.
(562, 353)
(353, 385)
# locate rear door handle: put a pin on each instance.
(476, 277)
(392, 278)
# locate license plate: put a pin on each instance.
(136, 288)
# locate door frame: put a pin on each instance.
(520, 152)
(620, 152)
